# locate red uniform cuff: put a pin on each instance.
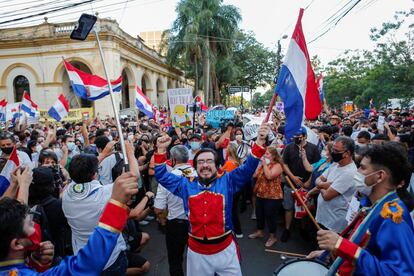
(160, 158)
(258, 151)
(114, 216)
(347, 249)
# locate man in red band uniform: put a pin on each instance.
(17, 232)
(208, 204)
(386, 235)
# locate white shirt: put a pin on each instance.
(83, 205)
(166, 199)
(105, 171)
(332, 213)
(24, 159)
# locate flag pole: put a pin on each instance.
(118, 123)
(269, 111)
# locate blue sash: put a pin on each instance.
(357, 236)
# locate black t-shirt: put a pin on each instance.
(294, 161)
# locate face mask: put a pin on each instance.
(267, 161)
(298, 140)
(114, 134)
(336, 157)
(195, 145)
(7, 150)
(71, 146)
(361, 145)
(361, 186)
(35, 238)
(38, 148)
(82, 140)
(184, 140)
(239, 137)
(364, 129)
(109, 137)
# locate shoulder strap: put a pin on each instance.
(117, 157)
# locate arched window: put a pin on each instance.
(20, 84)
(125, 90)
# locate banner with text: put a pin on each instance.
(179, 99)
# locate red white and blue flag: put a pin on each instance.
(5, 175)
(319, 85)
(3, 104)
(202, 105)
(59, 109)
(90, 87)
(143, 103)
(28, 105)
(296, 84)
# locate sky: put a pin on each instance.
(270, 20)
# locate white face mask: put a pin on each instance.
(267, 161)
(38, 148)
(109, 137)
(364, 129)
(361, 186)
(239, 137)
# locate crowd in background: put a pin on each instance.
(56, 159)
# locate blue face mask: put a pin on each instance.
(71, 146)
(195, 145)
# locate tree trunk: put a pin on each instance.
(196, 76)
(214, 83)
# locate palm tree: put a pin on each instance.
(203, 32)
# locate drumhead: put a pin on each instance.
(302, 267)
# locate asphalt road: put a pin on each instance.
(255, 260)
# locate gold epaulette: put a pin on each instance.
(392, 210)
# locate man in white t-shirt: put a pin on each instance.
(177, 222)
(107, 164)
(337, 186)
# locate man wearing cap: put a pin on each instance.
(297, 173)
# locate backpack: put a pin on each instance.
(118, 168)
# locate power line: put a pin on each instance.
(50, 11)
(27, 9)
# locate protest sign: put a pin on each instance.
(178, 100)
(216, 117)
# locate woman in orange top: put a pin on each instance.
(269, 194)
(233, 161)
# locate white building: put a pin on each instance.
(31, 59)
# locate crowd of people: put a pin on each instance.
(71, 208)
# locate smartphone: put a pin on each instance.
(85, 25)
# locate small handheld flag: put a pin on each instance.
(3, 104)
(143, 103)
(5, 175)
(59, 109)
(28, 105)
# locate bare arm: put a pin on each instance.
(273, 172)
(306, 164)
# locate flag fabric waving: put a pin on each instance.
(5, 175)
(90, 87)
(28, 105)
(200, 102)
(143, 103)
(319, 85)
(296, 83)
(3, 104)
(59, 109)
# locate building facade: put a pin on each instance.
(31, 59)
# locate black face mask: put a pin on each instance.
(7, 150)
(336, 157)
(298, 140)
(208, 181)
(184, 141)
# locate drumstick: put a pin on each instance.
(303, 203)
(286, 253)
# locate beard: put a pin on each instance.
(207, 181)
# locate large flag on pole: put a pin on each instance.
(5, 175)
(90, 87)
(296, 83)
(28, 105)
(143, 103)
(59, 109)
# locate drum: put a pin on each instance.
(308, 267)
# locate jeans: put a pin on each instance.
(119, 267)
(176, 237)
(267, 211)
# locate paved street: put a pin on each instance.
(255, 261)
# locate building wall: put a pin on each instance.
(37, 53)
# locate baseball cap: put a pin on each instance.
(301, 131)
